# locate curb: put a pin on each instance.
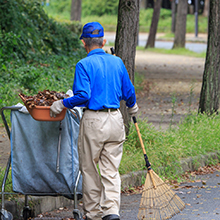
(188, 164)
(40, 204)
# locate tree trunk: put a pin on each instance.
(126, 41)
(210, 92)
(173, 6)
(206, 8)
(76, 10)
(154, 23)
(180, 28)
(143, 4)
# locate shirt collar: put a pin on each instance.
(96, 51)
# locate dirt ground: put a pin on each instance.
(172, 87)
(167, 78)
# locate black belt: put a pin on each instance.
(102, 110)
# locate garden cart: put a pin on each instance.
(43, 159)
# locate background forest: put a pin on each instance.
(38, 41)
(39, 48)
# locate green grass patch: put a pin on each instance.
(109, 21)
(196, 135)
(176, 51)
(8, 184)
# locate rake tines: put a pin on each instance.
(158, 200)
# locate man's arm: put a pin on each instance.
(81, 90)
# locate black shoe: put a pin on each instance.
(111, 217)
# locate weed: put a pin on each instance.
(161, 120)
(192, 86)
(173, 98)
(196, 135)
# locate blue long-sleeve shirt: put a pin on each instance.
(101, 81)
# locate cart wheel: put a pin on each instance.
(77, 214)
(7, 216)
(27, 213)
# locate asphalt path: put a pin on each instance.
(201, 196)
(194, 45)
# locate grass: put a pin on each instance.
(109, 22)
(196, 135)
(8, 184)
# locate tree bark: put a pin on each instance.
(154, 23)
(76, 10)
(206, 8)
(126, 41)
(210, 91)
(180, 28)
(173, 6)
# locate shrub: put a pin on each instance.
(26, 31)
(100, 7)
(95, 7)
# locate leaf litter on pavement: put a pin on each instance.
(189, 176)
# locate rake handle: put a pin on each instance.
(148, 165)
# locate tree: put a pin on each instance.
(180, 28)
(126, 41)
(154, 23)
(206, 8)
(173, 6)
(210, 91)
(76, 10)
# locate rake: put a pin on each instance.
(158, 201)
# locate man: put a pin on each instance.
(101, 81)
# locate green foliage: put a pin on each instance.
(60, 6)
(100, 7)
(8, 43)
(55, 72)
(196, 135)
(164, 24)
(27, 31)
(36, 52)
(107, 16)
(95, 7)
(8, 184)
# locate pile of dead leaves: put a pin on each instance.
(188, 176)
(43, 98)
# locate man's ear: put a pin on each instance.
(84, 43)
(104, 42)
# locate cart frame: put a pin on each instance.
(27, 212)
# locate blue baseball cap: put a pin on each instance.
(92, 29)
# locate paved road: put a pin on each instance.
(202, 198)
(197, 44)
(202, 201)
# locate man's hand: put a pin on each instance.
(133, 110)
(56, 108)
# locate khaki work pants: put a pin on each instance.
(100, 142)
